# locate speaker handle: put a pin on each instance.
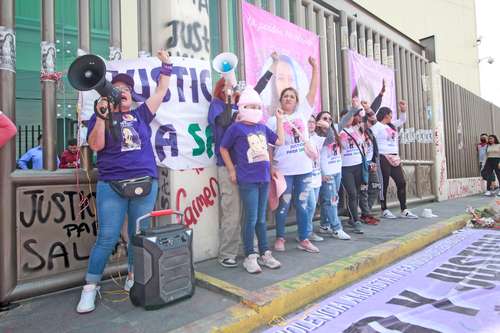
(156, 213)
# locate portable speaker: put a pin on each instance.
(163, 264)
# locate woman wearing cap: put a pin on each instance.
(125, 155)
(386, 134)
(293, 163)
(248, 166)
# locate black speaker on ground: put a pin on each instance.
(163, 265)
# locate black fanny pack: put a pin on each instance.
(132, 188)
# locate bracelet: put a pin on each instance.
(166, 69)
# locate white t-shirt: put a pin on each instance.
(290, 158)
(331, 159)
(387, 138)
(368, 149)
(350, 152)
(317, 141)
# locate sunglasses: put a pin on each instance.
(326, 118)
(124, 89)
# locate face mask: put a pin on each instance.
(250, 115)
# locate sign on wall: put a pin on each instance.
(265, 33)
(56, 228)
(181, 137)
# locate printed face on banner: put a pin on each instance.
(181, 137)
(367, 77)
(265, 33)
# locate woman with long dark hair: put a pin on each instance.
(331, 175)
(492, 160)
(386, 134)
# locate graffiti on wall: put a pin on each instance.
(56, 227)
(182, 27)
(462, 187)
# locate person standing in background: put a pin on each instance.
(70, 158)
(481, 147)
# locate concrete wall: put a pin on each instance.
(452, 22)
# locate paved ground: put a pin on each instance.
(55, 313)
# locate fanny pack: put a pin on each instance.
(393, 160)
(132, 188)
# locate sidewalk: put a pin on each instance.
(231, 299)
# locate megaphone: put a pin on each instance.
(225, 64)
(88, 72)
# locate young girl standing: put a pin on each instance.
(244, 149)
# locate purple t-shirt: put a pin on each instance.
(248, 147)
(217, 107)
(131, 155)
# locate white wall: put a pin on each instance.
(452, 22)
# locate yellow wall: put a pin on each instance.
(452, 22)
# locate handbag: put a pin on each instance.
(132, 188)
(393, 160)
(365, 165)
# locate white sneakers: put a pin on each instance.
(407, 214)
(87, 299)
(269, 261)
(488, 193)
(251, 263)
(387, 214)
(129, 283)
(341, 234)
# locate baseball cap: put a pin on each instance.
(123, 78)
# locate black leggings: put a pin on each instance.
(490, 167)
(351, 181)
(396, 173)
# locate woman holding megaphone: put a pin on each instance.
(127, 180)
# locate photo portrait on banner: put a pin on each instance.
(181, 136)
(264, 33)
(366, 80)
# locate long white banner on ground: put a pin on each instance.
(453, 286)
(181, 137)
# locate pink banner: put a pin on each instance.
(366, 77)
(264, 33)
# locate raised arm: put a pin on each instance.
(156, 99)
(313, 86)
(264, 80)
(403, 107)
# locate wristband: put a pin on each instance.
(166, 69)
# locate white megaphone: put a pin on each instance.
(225, 64)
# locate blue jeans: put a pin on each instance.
(298, 187)
(311, 208)
(254, 199)
(329, 199)
(111, 211)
